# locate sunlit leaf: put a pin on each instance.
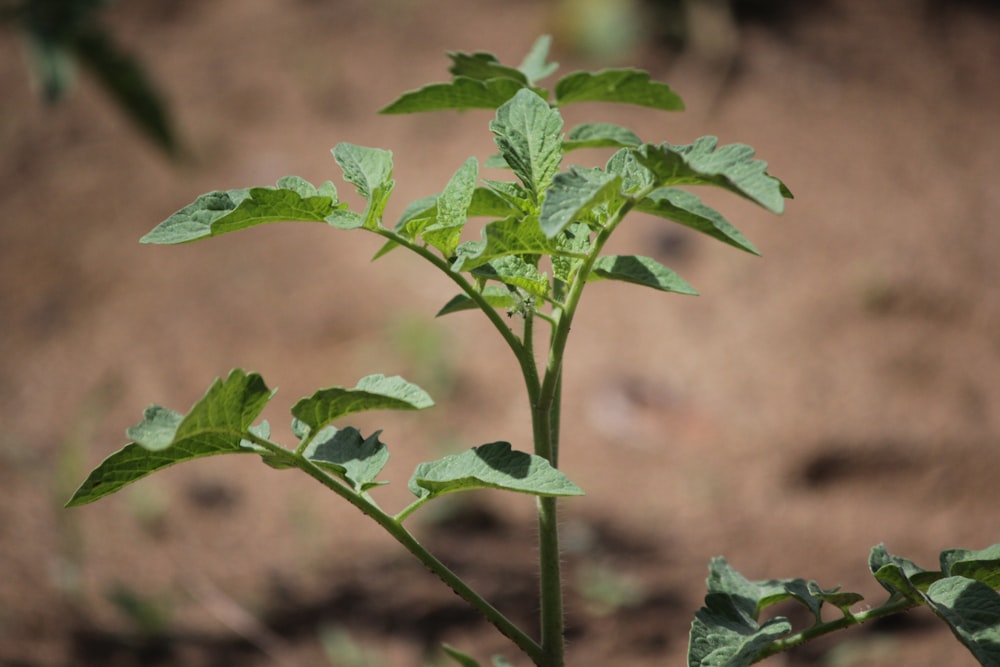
(370, 171)
(462, 93)
(216, 424)
(373, 392)
(528, 133)
(492, 466)
(578, 196)
(223, 211)
(731, 167)
(687, 209)
(349, 455)
(624, 86)
(600, 135)
(640, 270)
(535, 65)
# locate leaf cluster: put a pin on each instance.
(730, 628)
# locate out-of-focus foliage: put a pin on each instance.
(60, 34)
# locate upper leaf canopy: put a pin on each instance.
(624, 86)
(528, 133)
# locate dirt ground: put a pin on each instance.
(841, 392)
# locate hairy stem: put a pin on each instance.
(891, 606)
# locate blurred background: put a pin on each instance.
(841, 392)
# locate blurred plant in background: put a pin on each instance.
(61, 34)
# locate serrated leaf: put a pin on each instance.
(972, 611)
(483, 67)
(625, 164)
(462, 93)
(731, 167)
(453, 209)
(349, 455)
(725, 632)
(625, 86)
(534, 65)
(487, 203)
(373, 392)
(640, 270)
(528, 133)
(491, 466)
(575, 196)
(687, 209)
(600, 135)
(369, 170)
(515, 194)
(216, 424)
(223, 211)
(514, 271)
(894, 572)
(982, 565)
(495, 295)
(510, 236)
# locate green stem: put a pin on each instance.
(392, 526)
(891, 606)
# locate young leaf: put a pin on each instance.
(640, 270)
(624, 86)
(492, 466)
(510, 236)
(528, 133)
(687, 209)
(217, 424)
(899, 575)
(515, 272)
(625, 165)
(453, 209)
(534, 65)
(462, 659)
(460, 94)
(731, 167)
(350, 456)
(370, 171)
(574, 196)
(219, 212)
(600, 135)
(373, 392)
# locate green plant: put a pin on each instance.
(542, 245)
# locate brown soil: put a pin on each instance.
(841, 392)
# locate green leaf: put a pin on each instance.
(216, 424)
(462, 93)
(574, 243)
(896, 574)
(625, 86)
(373, 392)
(453, 209)
(640, 270)
(350, 456)
(972, 611)
(497, 296)
(510, 236)
(528, 133)
(687, 209)
(370, 171)
(625, 164)
(843, 600)
(483, 67)
(731, 167)
(492, 466)
(220, 212)
(514, 271)
(581, 195)
(487, 203)
(534, 65)
(982, 565)
(725, 632)
(462, 659)
(600, 135)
